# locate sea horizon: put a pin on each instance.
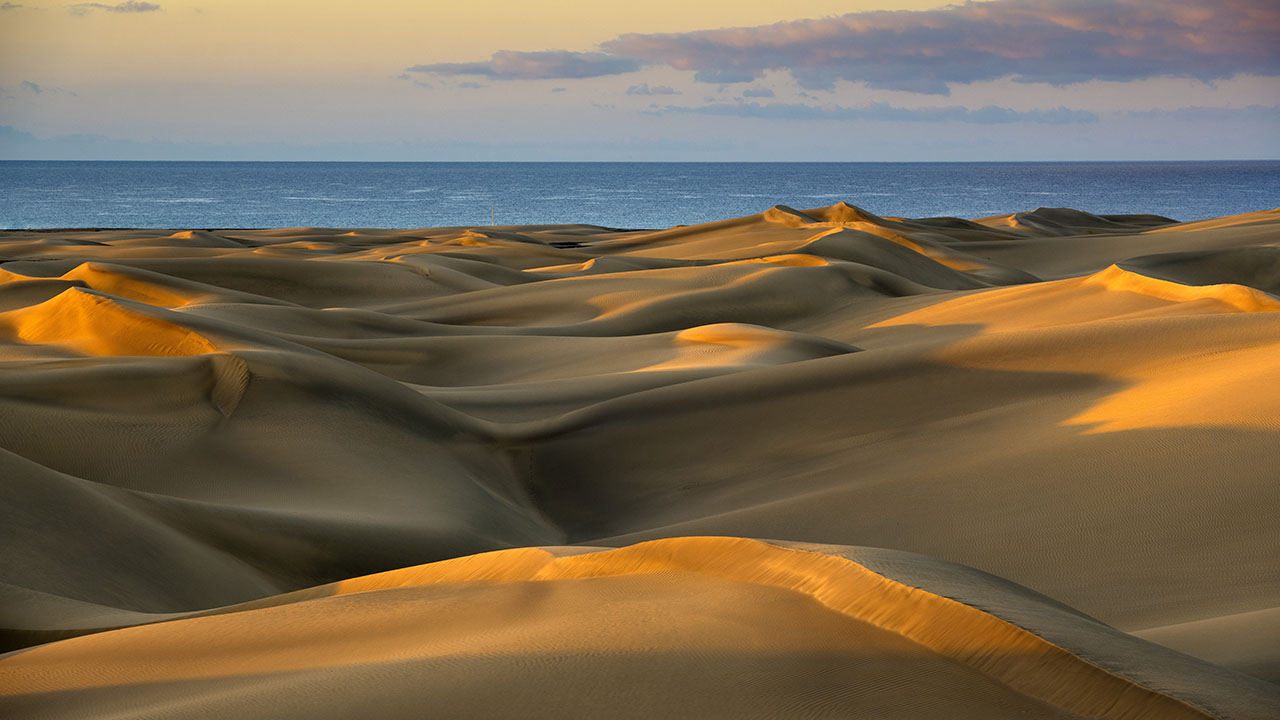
(45, 194)
(1112, 161)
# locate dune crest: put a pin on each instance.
(1240, 297)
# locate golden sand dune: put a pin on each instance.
(738, 622)
(1083, 405)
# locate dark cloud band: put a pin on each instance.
(130, 6)
(549, 64)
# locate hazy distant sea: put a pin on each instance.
(40, 194)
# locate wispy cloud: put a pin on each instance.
(33, 88)
(646, 89)
(757, 92)
(1059, 42)
(409, 78)
(1197, 113)
(129, 6)
(11, 6)
(545, 65)
(883, 112)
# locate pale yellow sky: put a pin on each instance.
(281, 72)
(249, 41)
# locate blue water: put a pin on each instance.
(44, 194)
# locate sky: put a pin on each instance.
(663, 80)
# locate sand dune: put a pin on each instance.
(201, 432)
(761, 614)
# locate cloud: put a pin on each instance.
(129, 6)
(757, 92)
(469, 85)
(1058, 42)
(723, 76)
(409, 78)
(883, 112)
(645, 89)
(11, 6)
(34, 89)
(1197, 113)
(9, 131)
(545, 65)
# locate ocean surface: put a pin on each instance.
(64, 194)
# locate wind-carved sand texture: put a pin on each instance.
(474, 472)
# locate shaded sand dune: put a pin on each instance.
(1083, 405)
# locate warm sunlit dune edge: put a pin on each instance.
(1087, 406)
(732, 611)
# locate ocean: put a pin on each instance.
(66, 194)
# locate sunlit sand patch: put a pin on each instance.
(566, 268)
(1238, 297)
(787, 260)
(124, 282)
(127, 285)
(92, 324)
(738, 345)
(1112, 294)
(1222, 390)
(1227, 221)
(1174, 387)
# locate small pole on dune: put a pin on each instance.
(491, 220)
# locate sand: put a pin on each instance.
(1015, 466)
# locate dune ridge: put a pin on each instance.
(1082, 405)
(1240, 297)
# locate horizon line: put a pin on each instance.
(1076, 161)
